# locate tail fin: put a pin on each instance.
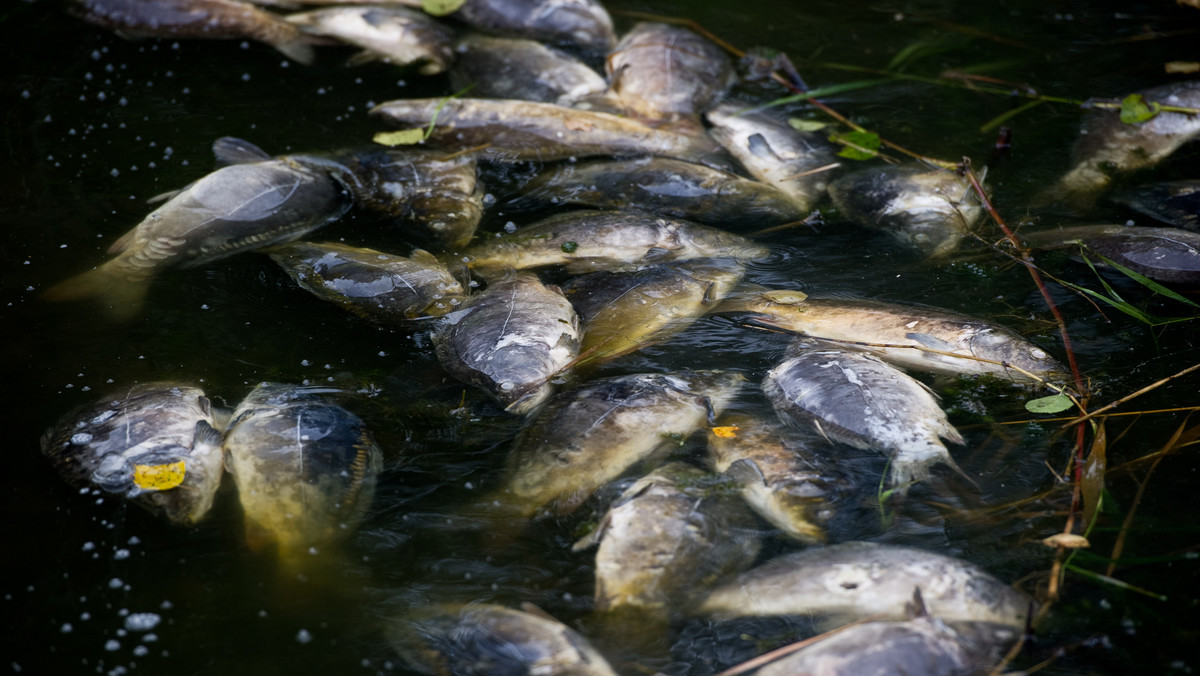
(121, 296)
(298, 48)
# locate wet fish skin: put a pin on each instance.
(658, 71)
(855, 398)
(867, 324)
(783, 479)
(930, 211)
(589, 436)
(378, 286)
(674, 532)
(305, 469)
(148, 425)
(584, 24)
(394, 35)
(589, 241)
(212, 19)
(1175, 203)
(775, 153)
(853, 580)
(1168, 255)
(665, 187)
(508, 68)
(484, 638)
(511, 340)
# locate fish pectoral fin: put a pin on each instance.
(916, 607)
(364, 57)
(746, 471)
(207, 434)
(593, 538)
(759, 147)
(231, 150)
(932, 342)
(656, 254)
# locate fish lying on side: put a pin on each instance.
(658, 71)
(1169, 255)
(252, 204)
(393, 35)
(507, 68)
(153, 444)
(583, 24)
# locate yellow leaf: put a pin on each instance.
(441, 7)
(1092, 485)
(404, 137)
(159, 477)
(727, 432)
(1067, 540)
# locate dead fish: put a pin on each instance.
(244, 206)
(930, 210)
(662, 186)
(671, 535)
(623, 312)
(1175, 203)
(516, 131)
(1169, 255)
(511, 340)
(153, 444)
(589, 436)
(393, 35)
(783, 479)
(904, 335)
(215, 19)
(1108, 147)
(659, 71)
(589, 241)
(584, 24)
(508, 68)
(305, 469)
(374, 285)
(856, 399)
(853, 580)
(793, 161)
(438, 194)
(484, 638)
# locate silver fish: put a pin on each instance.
(580, 23)
(587, 437)
(855, 398)
(1175, 203)
(381, 287)
(659, 71)
(909, 336)
(507, 68)
(671, 535)
(390, 34)
(856, 579)
(511, 340)
(784, 480)
(154, 444)
(1108, 147)
(1170, 255)
(484, 638)
(930, 210)
(305, 469)
(244, 206)
(589, 241)
(663, 186)
(796, 162)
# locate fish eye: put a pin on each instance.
(1038, 354)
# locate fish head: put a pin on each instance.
(1012, 350)
(168, 481)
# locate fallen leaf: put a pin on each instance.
(727, 432)
(1067, 540)
(159, 477)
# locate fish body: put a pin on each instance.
(482, 639)
(622, 312)
(590, 241)
(856, 399)
(1170, 255)
(583, 24)
(519, 131)
(909, 336)
(393, 35)
(670, 535)
(666, 187)
(305, 469)
(214, 19)
(381, 287)
(853, 580)
(659, 70)
(589, 436)
(927, 210)
(511, 340)
(508, 68)
(1175, 203)
(154, 444)
(775, 153)
(786, 481)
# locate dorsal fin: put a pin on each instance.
(230, 150)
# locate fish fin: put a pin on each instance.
(362, 58)
(656, 254)
(123, 296)
(746, 471)
(164, 196)
(916, 607)
(297, 48)
(593, 538)
(759, 147)
(231, 150)
(931, 341)
(207, 434)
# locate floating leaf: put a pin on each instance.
(860, 145)
(727, 432)
(1067, 540)
(1092, 484)
(800, 124)
(404, 137)
(1134, 109)
(441, 7)
(159, 477)
(1055, 403)
(569, 247)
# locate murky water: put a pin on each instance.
(94, 125)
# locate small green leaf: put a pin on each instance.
(441, 7)
(859, 145)
(1055, 403)
(806, 125)
(569, 247)
(404, 137)
(1134, 109)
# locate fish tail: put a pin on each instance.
(122, 294)
(298, 48)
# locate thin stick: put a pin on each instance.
(792, 647)
(1127, 397)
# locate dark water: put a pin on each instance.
(93, 125)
